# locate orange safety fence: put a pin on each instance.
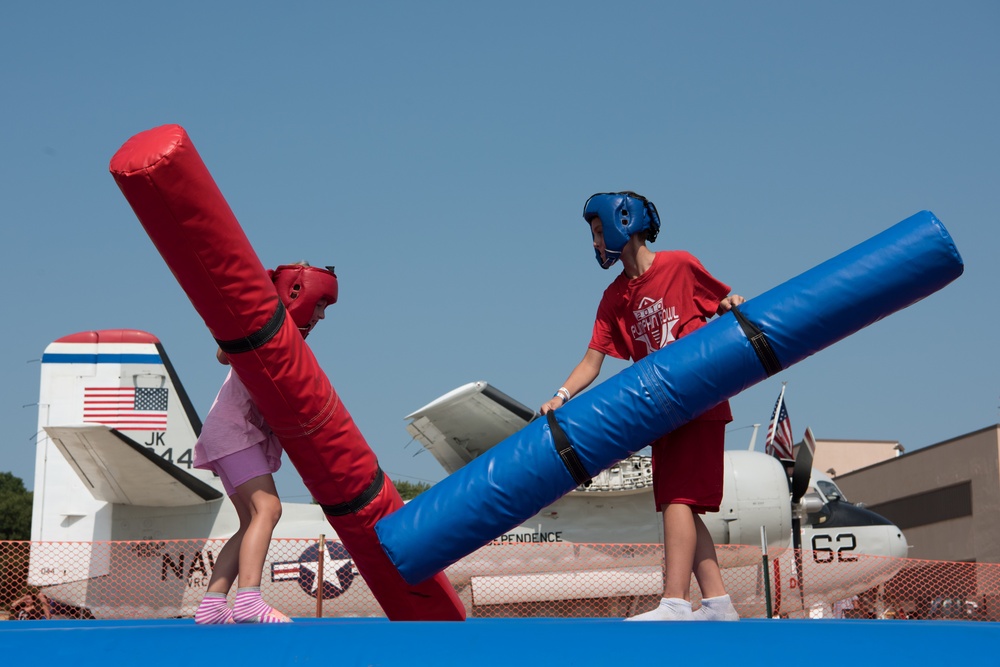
(167, 579)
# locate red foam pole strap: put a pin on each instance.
(181, 208)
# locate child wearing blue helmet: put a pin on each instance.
(658, 298)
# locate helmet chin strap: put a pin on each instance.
(610, 257)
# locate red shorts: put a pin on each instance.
(688, 464)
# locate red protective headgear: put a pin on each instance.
(301, 287)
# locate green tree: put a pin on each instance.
(409, 490)
(15, 508)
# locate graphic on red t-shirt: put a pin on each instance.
(672, 298)
(654, 323)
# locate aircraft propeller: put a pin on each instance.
(801, 508)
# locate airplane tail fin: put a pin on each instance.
(115, 427)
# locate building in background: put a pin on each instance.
(839, 457)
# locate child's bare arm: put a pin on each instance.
(585, 372)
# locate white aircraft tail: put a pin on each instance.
(115, 429)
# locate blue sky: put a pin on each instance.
(439, 154)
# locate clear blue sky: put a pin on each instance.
(439, 154)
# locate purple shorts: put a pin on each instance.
(240, 467)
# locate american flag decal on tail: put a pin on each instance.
(126, 408)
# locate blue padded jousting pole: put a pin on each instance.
(521, 475)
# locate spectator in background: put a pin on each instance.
(31, 607)
(40, 607)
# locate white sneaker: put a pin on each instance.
(669, 609)
(716, 609)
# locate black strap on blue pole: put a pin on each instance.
(566, 452)
(759, 342)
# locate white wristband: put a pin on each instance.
(564, 394)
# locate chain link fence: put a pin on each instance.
(316, 577)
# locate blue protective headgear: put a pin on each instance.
(623, 214)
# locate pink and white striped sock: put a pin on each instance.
(213, 610)
(251, 608)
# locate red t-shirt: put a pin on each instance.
(674, 297)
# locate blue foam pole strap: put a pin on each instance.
(521, 475)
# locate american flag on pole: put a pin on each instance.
(779, 432)
(126, 408)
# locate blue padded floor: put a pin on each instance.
(501, 642)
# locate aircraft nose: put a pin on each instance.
(898, 547)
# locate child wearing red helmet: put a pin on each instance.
(241, 449)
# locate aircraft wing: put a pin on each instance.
(467, 421)
(117, 469)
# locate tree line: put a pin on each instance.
(15, 508)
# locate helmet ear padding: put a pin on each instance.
(301, 288)
(622, 214)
